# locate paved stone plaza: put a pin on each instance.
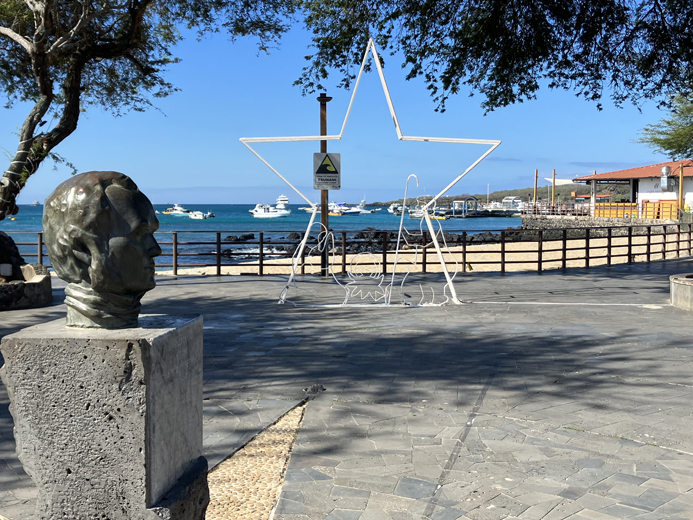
(561, 395)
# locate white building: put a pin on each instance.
(658, 193)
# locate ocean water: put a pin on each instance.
(235, 219)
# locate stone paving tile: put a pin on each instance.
(595, 502)
(539, 511)
(621, 511)
(590, 515)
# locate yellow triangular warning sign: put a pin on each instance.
(326, 166)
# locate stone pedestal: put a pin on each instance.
(108, 423)
(681, 287)
(32, 290)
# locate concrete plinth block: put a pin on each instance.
(34, 290)
(682, 291)
(108, 423)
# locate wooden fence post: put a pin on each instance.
(344, 246)
(424, 254)
(608, 247)
(564, 254)
(464, 251)
(386, 240)
(587, 247)
(678, 240)
(540, 251)
(303, 256)
(218, 253)
(649, 242)
(261, 258)
(502, 244)
(175, 254)
(630, 244)
(40, 248)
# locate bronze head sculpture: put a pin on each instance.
(98, 231)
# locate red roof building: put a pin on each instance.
(648, 184)
(641, 172)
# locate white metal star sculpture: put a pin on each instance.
(493, 144)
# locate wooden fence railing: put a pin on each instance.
(467, 250)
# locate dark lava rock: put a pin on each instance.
(243, 238)
(486, 237)
(9, 254)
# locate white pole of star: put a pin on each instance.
(370, 48)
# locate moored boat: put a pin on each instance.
(177, 210)
(269, 211)
(362, 208)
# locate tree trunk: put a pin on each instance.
(33, 149)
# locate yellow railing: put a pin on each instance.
(616, 209)
(655, 210)
(666, 209)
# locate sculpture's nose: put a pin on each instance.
(153, 248)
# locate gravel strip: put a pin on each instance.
(246, 485)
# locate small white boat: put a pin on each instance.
(35, 203)
(177, 209)
(393, 207)
(268, 211)
(362, 208)
(416, 212)
(197, 215)
(339, 209)
(351, 211)
(343, 209)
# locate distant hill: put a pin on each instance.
(563, 194)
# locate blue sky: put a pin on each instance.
(188, 151)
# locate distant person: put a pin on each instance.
(99, 235)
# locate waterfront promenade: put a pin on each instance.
(553, 396)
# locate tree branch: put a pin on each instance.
(84, 18)
(145, 70)
(21, 40)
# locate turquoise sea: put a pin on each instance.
(235, 219)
